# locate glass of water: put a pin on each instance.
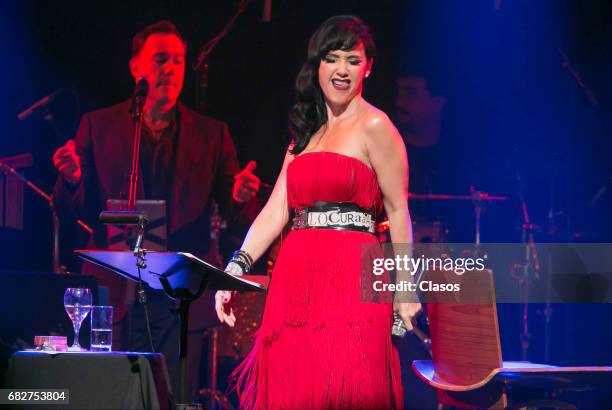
(101, 328)
(77, 302)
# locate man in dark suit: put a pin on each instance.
(186, 159)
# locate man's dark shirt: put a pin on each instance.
(157, 156)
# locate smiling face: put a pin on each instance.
(341, 75)
(162, 62)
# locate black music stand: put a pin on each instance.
(182, 276)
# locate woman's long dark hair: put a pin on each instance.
(309, 112)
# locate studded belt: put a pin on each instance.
(334, 215)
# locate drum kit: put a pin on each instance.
(431, 231)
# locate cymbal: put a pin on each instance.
(475, 196)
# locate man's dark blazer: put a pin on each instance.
(205, 159)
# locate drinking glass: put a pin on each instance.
(101, 328)
(77, 302)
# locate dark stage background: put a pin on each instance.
(513, 108)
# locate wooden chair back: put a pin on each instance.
(464, 328)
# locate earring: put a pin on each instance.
(367, 75)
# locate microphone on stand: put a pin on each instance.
(140, 93)
(46, 100)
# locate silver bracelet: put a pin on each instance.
(234, 268)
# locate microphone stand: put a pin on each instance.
(478, 207)
(202, 94)
(530, 270)
(201, 65)
(139, 252)
(131, 216)
(138, 120)
(123, 217)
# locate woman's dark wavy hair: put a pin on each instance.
(309, 113)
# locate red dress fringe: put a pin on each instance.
(320, 346)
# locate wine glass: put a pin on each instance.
(77, 302)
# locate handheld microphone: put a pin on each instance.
(46, 100)
(140, 92)
(398, 328)
(139, 218)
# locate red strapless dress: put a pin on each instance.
(320, 346)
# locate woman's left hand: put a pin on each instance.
(407, 311)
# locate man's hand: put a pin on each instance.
(246, 184)
(68, 163)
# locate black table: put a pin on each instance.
(32, 303)
(117, 380)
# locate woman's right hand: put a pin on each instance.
(221, 298)
(408, 312)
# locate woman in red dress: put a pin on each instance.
(320, 345)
